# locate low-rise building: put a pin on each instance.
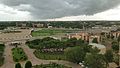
(85, 36)
(81, 35)
(102, 48)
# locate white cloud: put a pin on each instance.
(8, 13)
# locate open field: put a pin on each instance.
(18, 54)
(50, 32)
(23, 34)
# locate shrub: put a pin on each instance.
(18, 65)
(28, 64)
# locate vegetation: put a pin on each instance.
(50, 32)
(18, 65)
(49, 56)
(49, 48)
(115, 46)
(59, 24)
(95, 40)
(52, 65)
(2, 46)
(18, 54)
(109, 56)
(95, 60)
(72, 50)
(75, 54)
(28, 64)
(116, 59)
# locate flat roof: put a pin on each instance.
(100, 46)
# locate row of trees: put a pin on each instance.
(2, 47)
(27, 65)
(66, 24)
(54, 43)
(51, 65)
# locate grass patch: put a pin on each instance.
(49, 32)
(49, 56)
(18, 54)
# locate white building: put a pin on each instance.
(102, 48)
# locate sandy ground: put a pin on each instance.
(23, 35)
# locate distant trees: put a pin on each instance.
(28, 64)
(18, 65)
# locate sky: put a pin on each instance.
(59, 10)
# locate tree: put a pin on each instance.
(95, 40)
(75, 54)
(28, 64)
(18, 65)
(95, 61)
(109, 55)
(115, 47)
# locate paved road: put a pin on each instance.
(9, 63)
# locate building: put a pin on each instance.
(85, 36)
(116, 33)
(102, 48)
(81, 35)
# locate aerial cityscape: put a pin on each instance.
(59, 33)
(55, 44)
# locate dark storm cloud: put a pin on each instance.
(44, 9)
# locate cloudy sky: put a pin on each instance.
(59, 10)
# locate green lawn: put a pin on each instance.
(18, 54)
(53, 65)
(1, 54)
(49, 56)
(49, 32)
